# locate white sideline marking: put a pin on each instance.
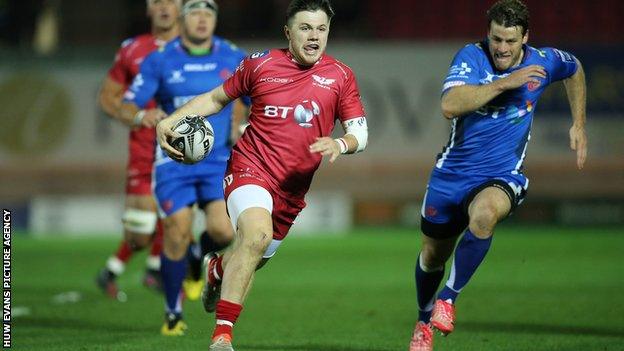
(67, 297)
(20, 311)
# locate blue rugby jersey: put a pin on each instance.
(493, 140)
(173, 77)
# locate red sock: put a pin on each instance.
(124, 252)
(157, 240)
(227, 313)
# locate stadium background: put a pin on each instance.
(62, 160)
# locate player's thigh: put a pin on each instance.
(174, 194)
(211, 199)
(491, 201)
(487, 207)
(250, 207)
(144, 202)
(442, 216)
(217, 221)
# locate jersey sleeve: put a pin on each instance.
(240, 83)
(245, 99)
(350, 103)
(464, 69)
(561, 64)
(119, 71)
(145, 84)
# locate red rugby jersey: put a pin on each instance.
(126, 65)
(292, 105)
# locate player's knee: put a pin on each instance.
(175, 240)
(483, 221)
(139, 222)
(140, 241)
(255, 240)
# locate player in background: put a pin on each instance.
(490, 95)
(141, 226)
(297, 95)
(193, 64)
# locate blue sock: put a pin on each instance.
(469, 254)
(173, 273)
(427, 284)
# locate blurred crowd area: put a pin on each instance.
(80, 23)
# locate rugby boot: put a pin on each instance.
(443, 317)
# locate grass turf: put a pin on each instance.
(539, 289)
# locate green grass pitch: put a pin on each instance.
(541, 288)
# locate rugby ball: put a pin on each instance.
(196, 138)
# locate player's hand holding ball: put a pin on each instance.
(187, 140)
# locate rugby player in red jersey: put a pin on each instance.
(297, 95)
(141, 226)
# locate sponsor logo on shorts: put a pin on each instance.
(431, 211)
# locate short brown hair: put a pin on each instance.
(509, 13)
(309, 5)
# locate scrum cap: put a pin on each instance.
(199, 4)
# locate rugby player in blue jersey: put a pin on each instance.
(191, 65)
(490, 95)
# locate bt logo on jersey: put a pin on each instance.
(277, 111)
(303, 113)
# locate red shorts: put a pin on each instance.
(141, 148)
(285, 210)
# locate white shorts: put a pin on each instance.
(248, 196)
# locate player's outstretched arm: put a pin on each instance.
(464, 99)
(110, 96)
(202, 105)
(577, 97)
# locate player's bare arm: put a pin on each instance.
(354, 140)
(110, 96)
(134, 117)
(464, 99)
(577, 97)
(202, 105)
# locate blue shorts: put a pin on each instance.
(445, 206)
(176, 188)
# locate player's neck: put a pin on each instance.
(197, 48)
(519, 61)
(165, 34)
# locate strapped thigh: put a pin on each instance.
(248, 196)
(494, 183)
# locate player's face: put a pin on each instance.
(505, 44)
(164, 13)
(199, 24)
(307, 36)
